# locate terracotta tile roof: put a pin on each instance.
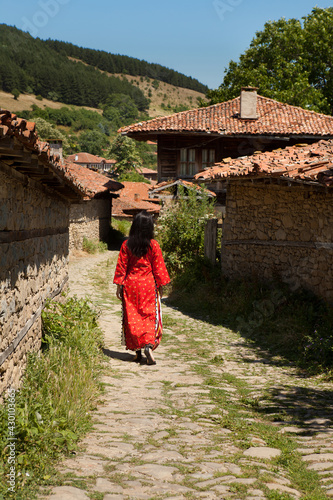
(274, 118)
(166, 186)
(133, 198)
(301, 163)
(144, 170)
(21, 134)
(89, 183)
(88, 158)
(80, 182)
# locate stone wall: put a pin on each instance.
(282, 231)
(90, 219)
(33, 266)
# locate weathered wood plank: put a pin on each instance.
(12, 236)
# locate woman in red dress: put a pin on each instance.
(140, 275)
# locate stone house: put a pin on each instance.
(90, 216)
(279, 216)
(34, 235)
(133, 199)
(192, 141)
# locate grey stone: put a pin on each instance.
(160, 472)
(285, 489)
(318, 457)
(262, 452)
(68, 493)
(105, 486)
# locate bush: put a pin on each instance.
(94, 246)
(181, 228)
(60, 387)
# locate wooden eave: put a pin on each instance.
(156, 134)
(35, 166)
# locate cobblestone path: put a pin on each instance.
(214, 419)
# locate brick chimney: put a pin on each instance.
(248, 103)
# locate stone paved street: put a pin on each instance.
(161, 431)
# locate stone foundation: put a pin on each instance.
(90, 219)
(33, 267)
(279, 231)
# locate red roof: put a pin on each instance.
(80, 182)
(88, 182)
(134, 197)
(88, 158)
(302, 163)
(274, 118)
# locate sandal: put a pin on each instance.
(149, 355)
(138, 356)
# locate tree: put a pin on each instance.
(93, 142)
(46, 131)
(125, 106)
(289, 61)
(123, 150)
(16, 94)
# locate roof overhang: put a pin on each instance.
(22, 160)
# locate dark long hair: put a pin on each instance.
(141, 232)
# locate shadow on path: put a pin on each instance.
(122, 356)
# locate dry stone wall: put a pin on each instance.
(281, 231)
(90, 219)
(33, 266)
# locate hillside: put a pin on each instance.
(163, 97)
(115, 63)
(52, 70)
(80, 102)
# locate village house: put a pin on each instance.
(279, 216)
(34, 237)
(90, 217)
(192, 141)
(149, 174)
(134, 198)
(92, 161)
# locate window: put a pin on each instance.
(208, 158)
(188, 165)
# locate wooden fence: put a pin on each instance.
(211, 239)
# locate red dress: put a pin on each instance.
(141, 278)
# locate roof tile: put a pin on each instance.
(274, 118)
(305, 163)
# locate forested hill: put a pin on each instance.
(114, 63)
(45, 68)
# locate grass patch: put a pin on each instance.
(94, 246)
(61, 385)
(296, 326)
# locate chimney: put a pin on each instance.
(76, 158)
(248, 103)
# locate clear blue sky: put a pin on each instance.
(195, 37)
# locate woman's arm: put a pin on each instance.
(119, 292)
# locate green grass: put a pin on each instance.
(94, 246)
(60, 387)
(289, 327)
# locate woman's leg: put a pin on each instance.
(138, 356)
(149, 355)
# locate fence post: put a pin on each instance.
(210, 240)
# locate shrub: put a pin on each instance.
(94, 246)
(181, 228)
(59, 388)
